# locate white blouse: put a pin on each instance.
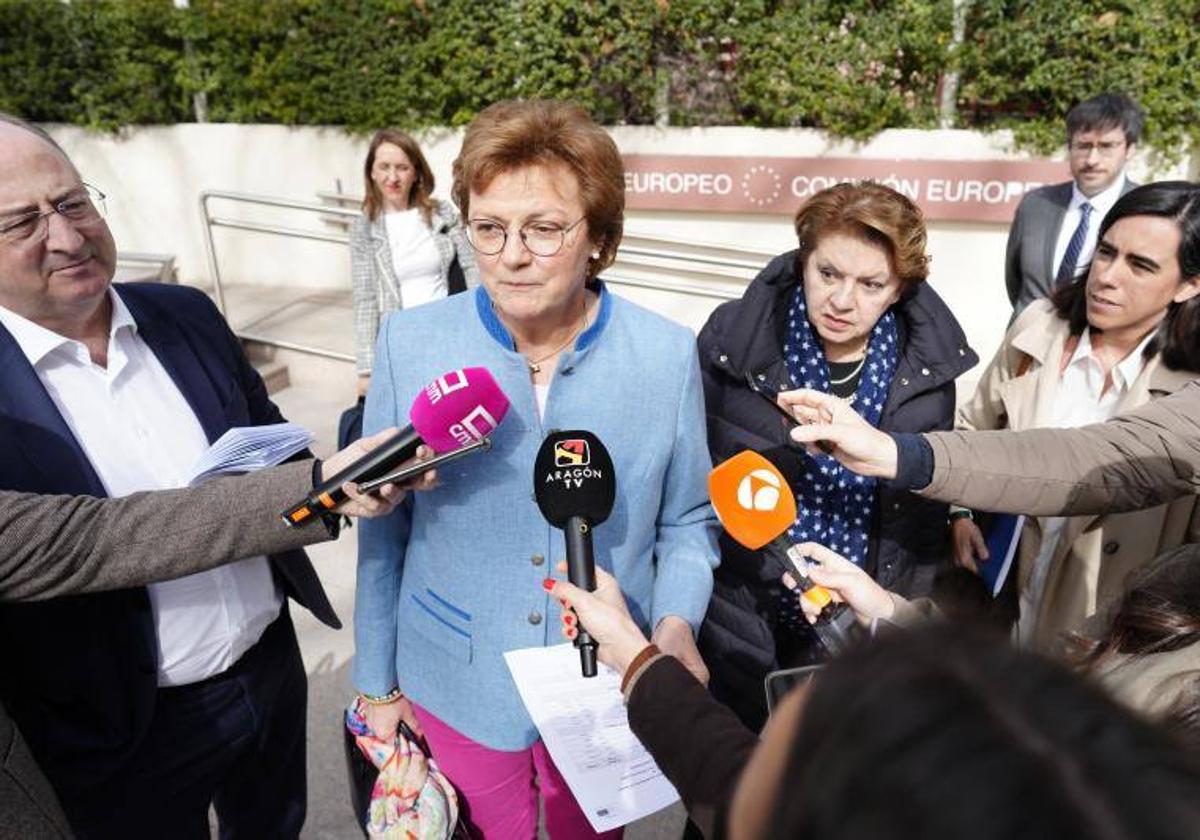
(415, 259)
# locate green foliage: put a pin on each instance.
(854, 67)
(1027, 62)
(95, 63)
(851, 67)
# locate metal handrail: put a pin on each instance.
(617, 278)
(696, 243)
(211, 222)
(673, 286)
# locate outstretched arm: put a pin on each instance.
(68, 545)
(1136, 460)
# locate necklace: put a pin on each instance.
(535, 365)
(850, 375)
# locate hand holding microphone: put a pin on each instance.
(452, 415)
(382, 500)
(755, 504)
(618, 637)
(575, 489)
(844, 581)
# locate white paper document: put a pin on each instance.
(584, 726)
(244, 449)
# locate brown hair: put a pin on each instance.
(511, 135)
(876, 213)
(1159, 612)
(422, 188)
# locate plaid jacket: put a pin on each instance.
(376, 291)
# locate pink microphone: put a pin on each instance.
(455, 410)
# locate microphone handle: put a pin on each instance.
(375, 464)
(837, 628)
(581, 571)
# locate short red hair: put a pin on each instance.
(516, 134)
(874, 212)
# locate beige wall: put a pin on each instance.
(155, 175)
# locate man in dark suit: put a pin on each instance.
(60, 545)
(1053, 234)
(143, 705)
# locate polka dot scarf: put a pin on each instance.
(834, 505)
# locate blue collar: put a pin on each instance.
(497, 330)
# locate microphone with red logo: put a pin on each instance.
(456, 411)
(755, 505)
(575, 488)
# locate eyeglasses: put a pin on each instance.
(81, 207)
(542, 239)
(1106, 149)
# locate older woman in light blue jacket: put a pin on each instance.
(454, 578)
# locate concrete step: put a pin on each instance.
(305, 369)
(274, 373)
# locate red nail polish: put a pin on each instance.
(548, 584)
(569, 620)
(571, 632)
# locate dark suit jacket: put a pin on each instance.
(1029, 268)
(57, 545)
(80, 673)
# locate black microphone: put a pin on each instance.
(575, 487)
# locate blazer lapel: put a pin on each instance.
(43, 437)
(440, 222)
(383, 262)
(1028, 399)
(175, 353)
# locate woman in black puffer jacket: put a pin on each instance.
(848, 313)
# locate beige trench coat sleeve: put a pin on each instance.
(1136, 460)
(68, 545)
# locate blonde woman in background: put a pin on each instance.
(407, 248)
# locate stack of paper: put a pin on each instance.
(583, 724)
(248, 448)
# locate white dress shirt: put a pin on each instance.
(139, 433)
(415, 259)
(1081, 401)
(1101, 204)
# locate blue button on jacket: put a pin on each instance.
(447, 583)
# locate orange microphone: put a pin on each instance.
(756, 507)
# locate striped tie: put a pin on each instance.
(1066, 269)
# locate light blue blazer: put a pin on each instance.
(452, 579)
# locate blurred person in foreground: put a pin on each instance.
(1053, 233)
(935, 734)
(1144, 649)
(407, 248)
(449, 582)
(63, 545)
(1125, 333)
(848, 313)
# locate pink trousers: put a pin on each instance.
(500, 789)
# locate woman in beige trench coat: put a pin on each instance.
(1125, 333)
